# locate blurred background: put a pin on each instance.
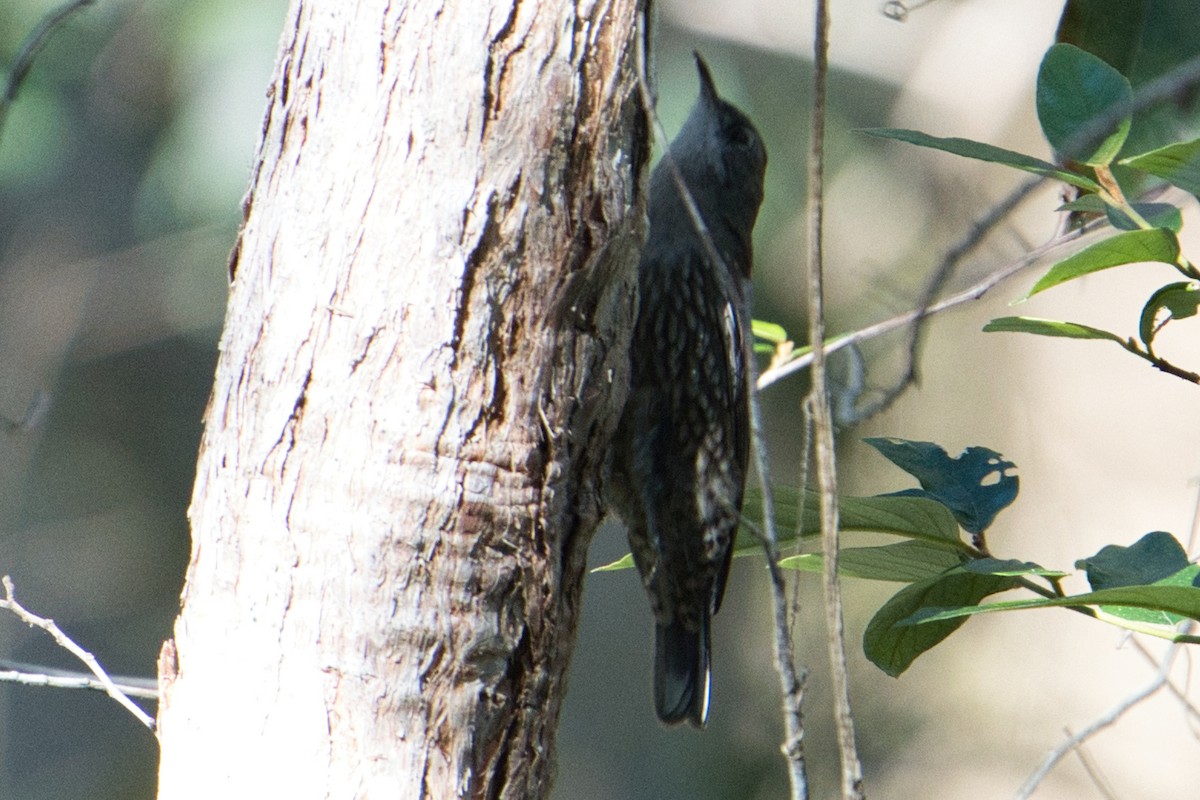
(122, 167)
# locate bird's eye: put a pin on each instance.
(740, 136)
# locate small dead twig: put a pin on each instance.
(9, 603)
(973, 292)
(821, 413)
(39, 675)
(1093, 770)
(939, 280)
(1073, 742)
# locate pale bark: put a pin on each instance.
(422, 364)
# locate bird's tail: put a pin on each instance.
(682, 673)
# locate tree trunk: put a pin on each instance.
(423, 360)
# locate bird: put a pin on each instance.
(681, 446)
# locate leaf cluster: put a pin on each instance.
(942, 557)
(1148, 586)
(1086, 110)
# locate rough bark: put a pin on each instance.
(422, 363)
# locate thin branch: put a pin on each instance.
(822, 417)
(939, 280)
(1093, 770)
(30, 48)
(797, 534)
(1189, 709)
(792, 682)
(9, 603)
(973, 292)
(1194, 531)
(1161, 364)
(1103, 721)
(38, 675)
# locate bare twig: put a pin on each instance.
(802, 480)
(822, 419)
(791, 680)
(939, 280)
(1194, 531)
(1100, 723)
(30, 48)
(1189, 709)
(39, 675)
(9, 603)
(974, 292)
(1093, 770)
(1161, 364)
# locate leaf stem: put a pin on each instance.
(1112, 195)
(1160, 363)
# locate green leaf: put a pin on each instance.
(925, 520)
(1182, 601)
(804, 350)
(768, 331)
(1088, 203)
(1153, 557)
(975, 486)
(1123, 615)
(1156, 559)
(1179, 300)
(1076, 93)
(914, 517)
(986, 152)
(893, 646)
(1010, 566)
(624, 562)
(1049, 327)
(1111, 29)
(1177, 164)
(1160, 215)
(911, 517)
(1132, 247)
(902, 561)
